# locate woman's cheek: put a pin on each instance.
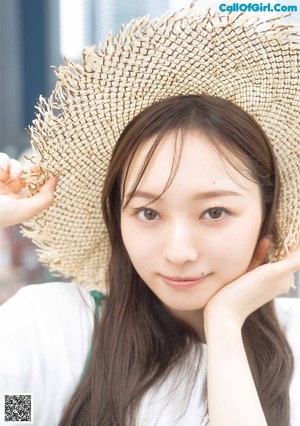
(140, 244)
(233, 252)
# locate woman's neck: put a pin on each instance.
(193, 319)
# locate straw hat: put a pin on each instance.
(252, 62)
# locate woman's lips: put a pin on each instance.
(183, 282)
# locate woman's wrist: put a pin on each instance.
(221, 326)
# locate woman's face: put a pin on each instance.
(202, 231)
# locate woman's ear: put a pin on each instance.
(260, 252)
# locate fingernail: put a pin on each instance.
(16, 173)
(54, 182)
(5, 164)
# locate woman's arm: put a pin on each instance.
(232, 396)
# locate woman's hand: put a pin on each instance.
(238, 299)
(15, 206)
(232, 395)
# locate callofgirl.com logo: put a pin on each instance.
(257, 7)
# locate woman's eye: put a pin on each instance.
(215, 213)
(147, 214)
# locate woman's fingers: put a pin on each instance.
(14, 186)
(17, 210)
(4, 161)
(4, 175)
(260, 252)
(15, 206)
(4, 167)
(291, 262)
(16, 169)
(276, 275)
(11, 172)
(256, 287)
(42, 200)
(10, 168)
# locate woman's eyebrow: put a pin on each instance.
(216, 193)
(198, 196)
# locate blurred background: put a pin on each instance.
(36, 34)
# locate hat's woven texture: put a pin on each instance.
(253, 63)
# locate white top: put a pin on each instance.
(45, 335)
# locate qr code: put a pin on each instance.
(18, 408)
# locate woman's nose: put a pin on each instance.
(180, 244)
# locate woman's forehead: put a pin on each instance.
(200, 166)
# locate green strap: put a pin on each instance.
(98, 297)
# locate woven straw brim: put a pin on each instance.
(253, 64)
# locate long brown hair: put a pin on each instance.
(136, 341)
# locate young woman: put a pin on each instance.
(189, 201)
(190, 331)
